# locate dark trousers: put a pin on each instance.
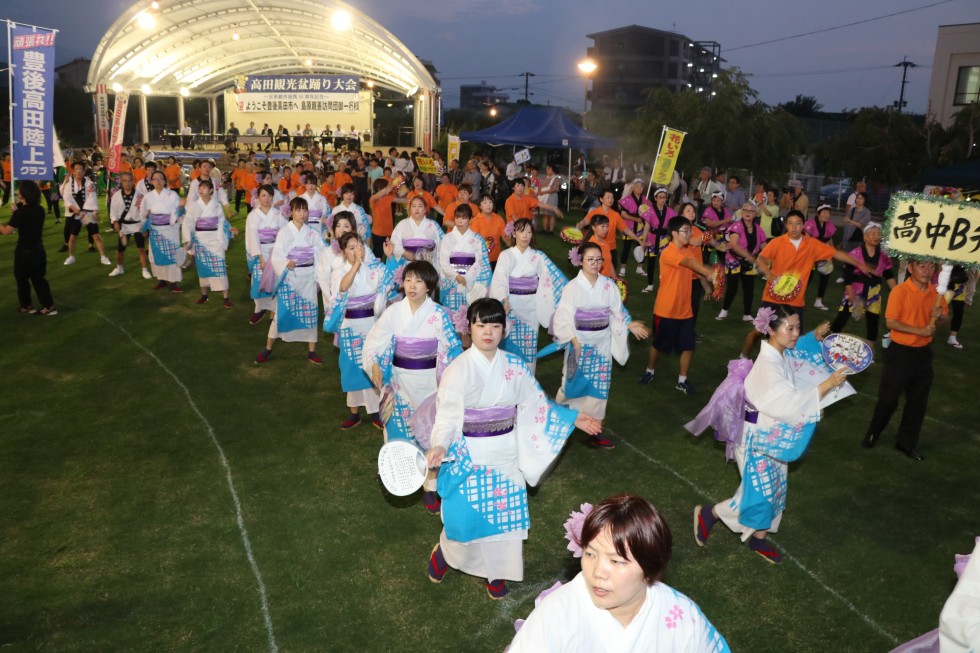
(747, 281)
(626, 249)
(652, 262)
(6, 192)
(377, 246)
(871, 321)
(956, 307)
(29, 269)
(53, 205)
(239, 196)
(907, 370)
(697, 292)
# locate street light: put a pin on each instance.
(587, 66)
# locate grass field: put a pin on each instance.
(135, 431)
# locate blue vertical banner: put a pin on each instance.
(31, 100)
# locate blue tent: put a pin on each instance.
(539, 127)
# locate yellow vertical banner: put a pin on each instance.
(670, 149)
(453, 148)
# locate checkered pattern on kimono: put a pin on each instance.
(209, 264)
(298, 306)
(768, 478)
(166, 248)
(255, 267)
(352, 343)
(784, 442)
(596, 368)
(559, 426)
(524, 337)
(500, 501)
(714, 642)
(449, 294)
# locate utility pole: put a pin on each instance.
(905, 64)
(526, 77)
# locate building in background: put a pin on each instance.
(476, 96)
(73, 73)
(955, 80)
(632, 59)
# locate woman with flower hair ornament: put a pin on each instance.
(529, 284)
(617, 604)
(781, 408)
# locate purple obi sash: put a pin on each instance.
(591, 319)
(303, 256)
(314, 216)
(206, 224)
(267, 235)
(415, 353)
(523, 285)
(462, 261)
(360, 307)
(751, 416)
(488, 422)
(160, 219)
(413, 245)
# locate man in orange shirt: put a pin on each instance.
(173, 174)
(341, 178)
(329, 189)
(911, 314)
(673, 317)
(446, 194)
(491, 226)
(616, 223)
(520, 204)
(462, 197)
(6, 179)
(249, 183)
(786, 262)
(383, 222)
(237, 180)
(285, 181)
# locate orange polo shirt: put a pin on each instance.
(519, 207)
(330, 192)
(446, 195)
(139, 173)
(430, 202)
(172, 172)
(6, 170)
(248, 183)
(341, 178)
(491, 227)
(383, 223)
(606, 269)
(616, 223)
(791, 267)
(449, 220)
(295, 183)
(284, 185)
(674, 296)
(908, 304)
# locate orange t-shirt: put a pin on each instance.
(446, 195)
(172, 172)
(195, 173)
(125, 167)
(6, 170)
(519, 207)
(674, 296)
(606, 269)
(284, 185)
(383, 224)
(449, 220)
(341, 178)
(615, 224)
(295, 183)
(491, 227)
(430, 202)
(138, 173)
(330, 192)
(791, 268)
(908, 304)
(237, 178)
(249, 183)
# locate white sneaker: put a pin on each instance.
(117, 271)
(953, 342)
(105, 260)
(622, 270)
(647, 289)
(886, 340)
(840, 280)
(820, 305)
(747, 318)
(70, 260)
(722, 314)
(146, 274)
(640, 271)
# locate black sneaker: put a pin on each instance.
(646, 378)
(685, 387)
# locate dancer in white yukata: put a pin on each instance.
(417, 238)
(591, 318)
(261, 228)
(346, 203)
(206, 236)
(359, 289)
(294, 259)
(617, 604)
(495, 431)
(319, 208)
(405, 353)
(159, 210)
(781, 411)
(464, 266)
(530, 286)
(209, 171)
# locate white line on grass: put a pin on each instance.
(955, 427)
(266, 615)
(506, 608)
(837, 595)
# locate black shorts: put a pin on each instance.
(75, 228)
(670, 335)
(131, 238)
(798, 310)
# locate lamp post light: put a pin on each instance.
(587, 66)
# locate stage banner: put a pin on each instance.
(101, 108)
(31, 100)
(921, 227)
(453, 149)
(426, 165)
(118, 127)
(670, 149)
(271, 93)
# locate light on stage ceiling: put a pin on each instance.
(154, 5)
(235, 36)
(145, 20)
(309, 62)
(370, 84)
(145, 89)
(340, 21)
(184, 92)
(116, 87)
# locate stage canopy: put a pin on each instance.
(539, 127)
(201, 46)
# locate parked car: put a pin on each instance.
(835, 194)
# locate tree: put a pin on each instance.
(731, 129)
(804, 106)
(961, 136)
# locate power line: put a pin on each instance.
(830, 29)
(819, 72)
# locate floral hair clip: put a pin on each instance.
(763, 320)
(509, 230)
(573, 529)
(575, 257)
(460, 321)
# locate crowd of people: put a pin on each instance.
(438, 314)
